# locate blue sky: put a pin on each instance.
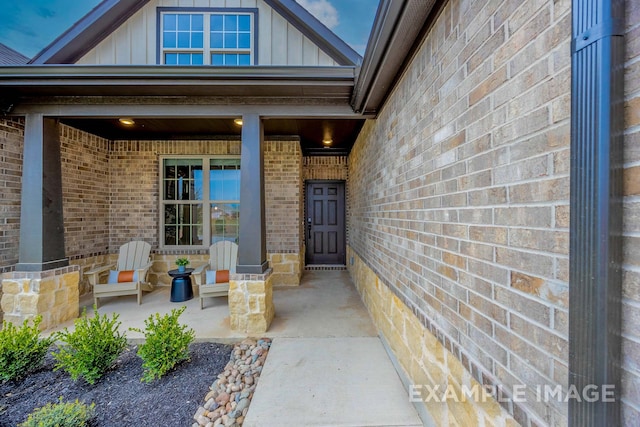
(30, 25)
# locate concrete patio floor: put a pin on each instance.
(326, 366)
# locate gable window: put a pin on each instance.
(207, 37)
(195, 211)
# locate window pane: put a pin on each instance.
(216, 40)
(216, 23)
(217, 59)
(196, 59)
(183, 224)
(231, 22)
(224, 179)
(230, 40)
(169, 22)
(171, 58)
(170, 215)
(168, 39)
(224, 222)
(184, 22)
(184, 59)
(231, 59)
(197, 40)
(244, 59)
(244, 40)
(184, 40)
(197, 23)
(183, 178)
(244, 23)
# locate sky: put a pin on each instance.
(28, 26)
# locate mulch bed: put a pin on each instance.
(121, 398)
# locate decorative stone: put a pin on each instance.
(222, 399)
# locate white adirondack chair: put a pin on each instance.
(133, 256)
(222, 256)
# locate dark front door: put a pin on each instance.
(325, 222)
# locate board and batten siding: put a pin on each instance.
(135, 41)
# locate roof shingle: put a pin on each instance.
(9, 56)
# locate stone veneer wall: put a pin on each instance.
(52, 294)
(11, 142)
(631, 223)
(429, 362)
(459, 196)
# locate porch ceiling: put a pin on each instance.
(311, 132)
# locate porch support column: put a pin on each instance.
(252, 246)
(41, 222)
(595, 272)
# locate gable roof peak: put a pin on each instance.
(108, 15)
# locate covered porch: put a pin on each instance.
(89, 185)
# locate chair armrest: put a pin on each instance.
(199, 274)
(142, 272)
(94, 274)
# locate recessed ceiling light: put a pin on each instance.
(238, 122)
(127, 121)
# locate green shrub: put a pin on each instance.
(91, 348)
(61, 414)
(166, 344)
(21, 349)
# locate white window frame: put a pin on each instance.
(206, 202)
(206, 50)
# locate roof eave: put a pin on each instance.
(154, 80)
(85, 34)
(397, 29)
(317, 32)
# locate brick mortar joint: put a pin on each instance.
(484, 377)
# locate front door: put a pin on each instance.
(324, 227)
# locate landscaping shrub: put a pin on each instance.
(91, 348)
(166, 344)
(61, 414)
(21, 349)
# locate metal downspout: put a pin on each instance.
(596, 209)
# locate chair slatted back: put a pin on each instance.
(223, 256)
(133, 255)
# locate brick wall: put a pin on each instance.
(11, 139)
(283, 196)
(459, 193)
(325, 167)
(631, 268)
(85, 170)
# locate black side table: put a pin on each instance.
(181, 289)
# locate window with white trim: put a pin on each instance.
(207, 38)
(197, 212)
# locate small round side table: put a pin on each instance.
(181, 289)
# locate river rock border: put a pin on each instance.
(229, 397)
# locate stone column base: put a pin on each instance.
(251, 307)
(53, 294)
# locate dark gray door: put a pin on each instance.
(325, 222)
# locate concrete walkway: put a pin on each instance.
(326, 366)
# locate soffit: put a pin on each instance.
(310, 132)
